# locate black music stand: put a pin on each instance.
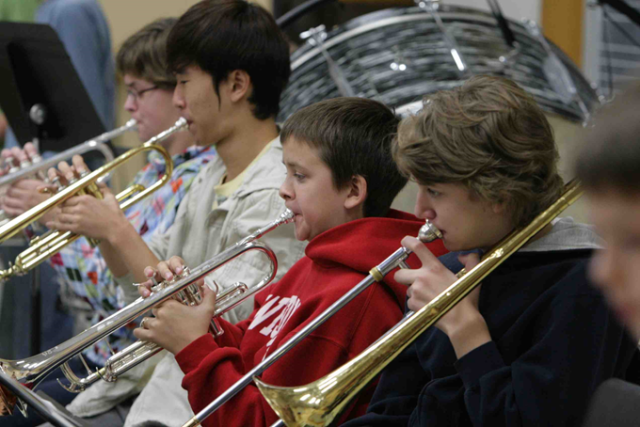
(44, 101)
(42, 95)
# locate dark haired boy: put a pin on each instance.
(341, 180)
(81, 268)
(608, 166)
(528, 347)
(231, 63)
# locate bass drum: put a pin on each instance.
(397, 56)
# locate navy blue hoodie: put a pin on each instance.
(554, 340)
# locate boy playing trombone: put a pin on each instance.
(530, 345)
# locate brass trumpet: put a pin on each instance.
(319, 403)
(44, 246)
(37, 165)
(33, 369)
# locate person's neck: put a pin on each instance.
(179, 143)
(240, 147)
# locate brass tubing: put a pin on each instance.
(320, 402)
(51, 243)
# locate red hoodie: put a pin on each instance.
(335, 261)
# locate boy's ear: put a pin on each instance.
(357, 192)
(239, 84)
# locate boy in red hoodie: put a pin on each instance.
(341, 180)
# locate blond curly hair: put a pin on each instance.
(489, 135)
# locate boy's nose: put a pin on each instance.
(178, 99)
(129, 104)
(423, 209)
(286, 190)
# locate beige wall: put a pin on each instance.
(125, 17)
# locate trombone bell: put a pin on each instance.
(320, 402)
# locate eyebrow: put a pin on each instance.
(290, 164)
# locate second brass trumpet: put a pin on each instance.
(50, 243)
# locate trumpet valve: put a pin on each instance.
(215, 329)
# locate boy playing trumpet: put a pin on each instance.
(340, 183)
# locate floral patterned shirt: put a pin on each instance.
(83, 269)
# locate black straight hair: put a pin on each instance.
(220, 36)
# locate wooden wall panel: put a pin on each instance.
(562, 22)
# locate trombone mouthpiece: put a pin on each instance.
(429, 233)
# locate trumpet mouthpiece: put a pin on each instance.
(429, 233)
(287, 216)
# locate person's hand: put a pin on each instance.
(433, 278)
(86, 214)
(91, 217)
(11, 158)
(67, 173)
(23, 195)
(177, 325)
(165, 270)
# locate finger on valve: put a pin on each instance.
(68, 172)
(31, 152)
(79, 165)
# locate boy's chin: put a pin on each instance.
(301, 233)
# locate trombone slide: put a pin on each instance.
(427, 233)
(320, 402)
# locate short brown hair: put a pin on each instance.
(353, 137)
(609, 157)
(144, 54)
(488, 135)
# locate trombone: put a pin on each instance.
(42, 247)
(33, 369)
(428, 233)
(320, 402)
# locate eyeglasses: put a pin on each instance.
(137, 94)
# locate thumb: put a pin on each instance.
(469, 260)
(208, 298)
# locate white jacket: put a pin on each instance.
(198, 234)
